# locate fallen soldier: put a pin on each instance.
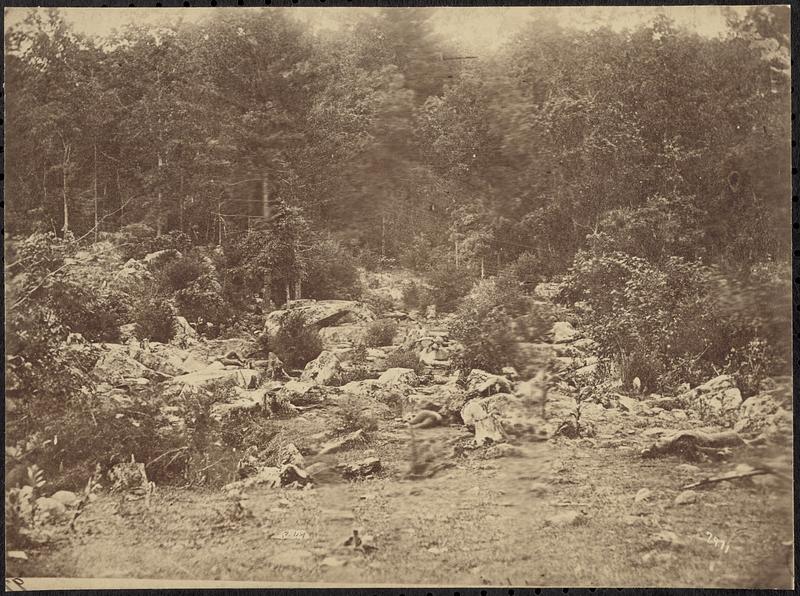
(426, 419)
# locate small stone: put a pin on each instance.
(538, 489)
(565, 518)
(333, 562)
(644, 494)
(687, 497)
(687, 468)
(65, 496)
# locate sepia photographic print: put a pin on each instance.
(421, 296)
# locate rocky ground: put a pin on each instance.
(436, 480)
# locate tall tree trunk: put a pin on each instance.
(121, 202)
(94, 185)
(160, 208)
(265, 211)
(298, 289)
(288, 292)
(64, 191)
(267, 293)
(482, 265)
(180, 198)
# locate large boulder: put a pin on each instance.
(246, 378)
(715, 400)
(325, 369)
(333, 337)
(399, 376)
(157, 259)
(484, 383)
(764, 413)
(185, 334)
(321, 313)
(131, 274)
(503, 415)
(563, 332)
(116, 366)
(447, 399)
(302, 393)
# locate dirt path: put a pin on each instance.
(482, 522)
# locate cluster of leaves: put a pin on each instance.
(672, 322)
(380, 333)
(296, 343)
(403, 358)
(483, 325)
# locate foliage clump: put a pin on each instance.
(296, 343)
(380, 333)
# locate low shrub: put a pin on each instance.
(448, 285)
(353, 415)
(154, 318)
(380, 333)
(203, 305)
(403, 358)
(378, 302)
(678, 321)
(295, 343)
(178, 274)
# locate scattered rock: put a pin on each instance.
(290, 454)
(628, 403)
(713, 398)
(563, 332)
(48, 508)
(484, 383)
(325, 369)
(67, 498)
(321, 313)
(687, 497)
(184, 334)
(332, 562)
(395, 376)
(302, 393)
(643, 495)
(365, 467)
(666, 539)
(566, 518)
(245, 378)
(503, 450)
(687, 468)
(291, 475)
(343, 442)
(763, 412)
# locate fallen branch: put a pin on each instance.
(736, 475)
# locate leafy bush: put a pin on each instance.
(671, 323)
(295, 343)
(527, 269)
(378, 302)
(380, 333)
(180, 273)
(448, 284)
(353, 416)
(83, 311)
(402, 358)
(203, 305)
(154, 318)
